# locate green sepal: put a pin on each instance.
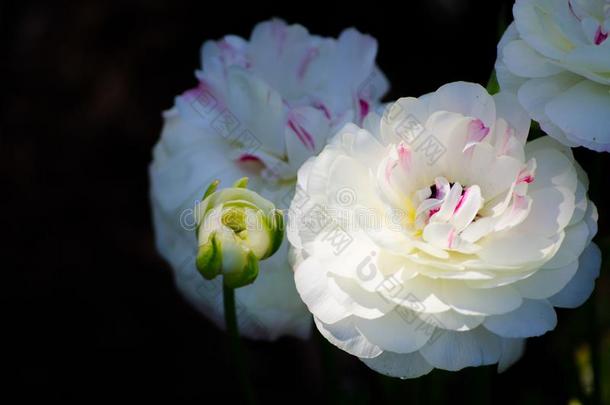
(211, 189)
(208, 192)
(275, 226)
(209, 258)
(244, 277)
(241, 183)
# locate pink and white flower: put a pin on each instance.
(261, 108)
(459, 242)
(556, 57)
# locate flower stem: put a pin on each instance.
(228, 295)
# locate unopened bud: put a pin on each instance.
(236, 228)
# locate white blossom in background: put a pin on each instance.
(262, 107)
(436, 237)
(556, 57)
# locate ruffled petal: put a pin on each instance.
(512, 350)
(456, 350)
(580, 287)
(345, 336)
(532, 318)
(405, 365)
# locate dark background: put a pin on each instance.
(91, 312)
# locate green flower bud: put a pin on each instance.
(236, 228)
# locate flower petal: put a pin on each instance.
(345, 336)
(512, 350)
(398, 331)
(258, 109)
(532, 318)
(404, 365)
(311, 282)
(580, 287)
(546, 282)
(475, 301)
(469, 99)
(456, 350)
(305, 134)
(583, 113)
(524, 61)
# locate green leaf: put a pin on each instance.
(493, 86)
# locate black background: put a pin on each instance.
(92, 312)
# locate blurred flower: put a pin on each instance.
(262, 107)
(556, 58)
(236, 228)
(459, 242)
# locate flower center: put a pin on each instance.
(447, 202)
(439, 213)
(234, 218)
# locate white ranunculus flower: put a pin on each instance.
(556, 57)
(436, 237)
(262, 107)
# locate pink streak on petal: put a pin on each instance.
(461, 200)
(527, 179)
(477, 131)
(519, 204)
(507, 135)
(247, 157)
(525, 176)
(451, 238)
(304, 136)
(364, 108)
(311, 54)
(278, 30)
(226, 51)
(320, 106)
(600, 36)
(404, 156)
(204, 95)
(196, 91)
(389, 167)
(230, 55)
(433, 211)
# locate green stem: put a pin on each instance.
(228, 296)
